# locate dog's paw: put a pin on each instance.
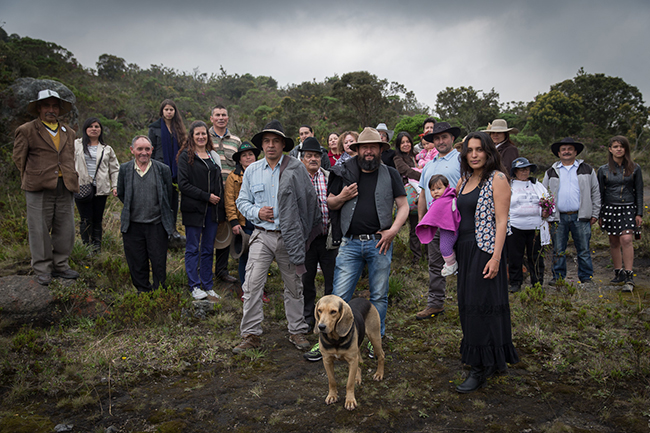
(378, 376)
(331, 398)
(350, 403)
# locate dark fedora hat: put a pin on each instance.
(243, 148)
(522, 162)
(441, 127)
(311, 144)
(275, 127)
(555, 147)
(239, 244)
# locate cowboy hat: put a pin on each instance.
(243, 148)
(275, 127)
(500, 125)
(65, 106)
(555, 147)
(441, 127)
(311, 144)
(522, 162)
(239, 244)
(224, 237)
(382, 127)
(370, 136)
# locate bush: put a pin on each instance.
(140, 309)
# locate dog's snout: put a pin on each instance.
(322, 326)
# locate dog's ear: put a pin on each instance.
(346, 319)
(316, 318)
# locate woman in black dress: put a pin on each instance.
(483, 202)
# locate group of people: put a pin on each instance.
(476, 208)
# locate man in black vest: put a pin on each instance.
(363, 191)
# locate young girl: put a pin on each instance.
(442, 214)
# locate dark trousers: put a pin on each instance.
(527, 241)
(414, 241)
(221, 260)
(175, 201)
(437, 283)
(317, 253)
(243, 259)
(144, 244)
(91, 214)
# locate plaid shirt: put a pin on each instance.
(320, 183)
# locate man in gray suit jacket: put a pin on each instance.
(145, 188)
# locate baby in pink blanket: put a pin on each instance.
(443, 214)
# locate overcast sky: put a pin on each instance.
(519, 48)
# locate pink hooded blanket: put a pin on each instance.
(442, 214)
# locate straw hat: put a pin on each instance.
(500, 125)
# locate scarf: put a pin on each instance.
(169, 148)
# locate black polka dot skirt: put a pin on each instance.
(618, 219)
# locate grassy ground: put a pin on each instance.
(154, 363)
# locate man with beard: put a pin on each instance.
(362, 192)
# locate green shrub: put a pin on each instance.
(139, 309)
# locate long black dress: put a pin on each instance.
(482, 303)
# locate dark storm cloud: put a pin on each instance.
(519, 48)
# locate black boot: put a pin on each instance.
(629, 281)
(474, 381)
(84, 231)
(619, 277)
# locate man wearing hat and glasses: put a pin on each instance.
(446, 163)
(278, 198)
(44, 155)
(363, 191)
(574, 185)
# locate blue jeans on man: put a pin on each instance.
(353, 255)
(581, 233)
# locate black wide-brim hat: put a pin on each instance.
(275, 127)
(555, 147)
(311, 144)
(243, 148)
(441, 127)
(522, 162)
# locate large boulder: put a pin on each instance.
(23, 300)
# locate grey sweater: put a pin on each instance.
(589, 190)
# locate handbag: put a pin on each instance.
(87, 191)
(412, 196)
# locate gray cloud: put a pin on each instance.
(519, 48)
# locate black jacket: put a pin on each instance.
(156, 140)
(617, 189)
(196, 182)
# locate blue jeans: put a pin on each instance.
(581, 233)
(199, 252)
(353, 255)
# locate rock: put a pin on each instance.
(112, 429)
(63, 427)
(23, 300)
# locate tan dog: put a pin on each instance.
(342, 327)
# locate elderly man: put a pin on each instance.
(278, 198)
(304, 132)
(226, 145)
(363, 191)
(44, 155)
(318, 253)
(145, 187)
(447, 163)
(574, 185)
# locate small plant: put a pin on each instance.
(255, 354)
(152, 307)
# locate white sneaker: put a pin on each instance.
(449, 270)
(198, 294)
(213, 294)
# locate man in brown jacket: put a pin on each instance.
(44, 155)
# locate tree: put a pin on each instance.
(609, 102)
(364, 92)
(555, 115)
(110, 67)
(467, 107)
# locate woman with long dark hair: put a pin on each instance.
(167, 135)
(199, 179)
(333, 148)
(621, 213)
(483, 307)
(404, 161)
(97, 164)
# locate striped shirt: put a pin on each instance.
(226, 147)
(320, 184)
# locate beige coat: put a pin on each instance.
(38, 160)
(107, 172)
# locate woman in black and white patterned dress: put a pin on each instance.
(621, 193)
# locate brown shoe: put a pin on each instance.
(249, 341)
(299, 341)
(428, 313)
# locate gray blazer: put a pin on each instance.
(125, 193)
